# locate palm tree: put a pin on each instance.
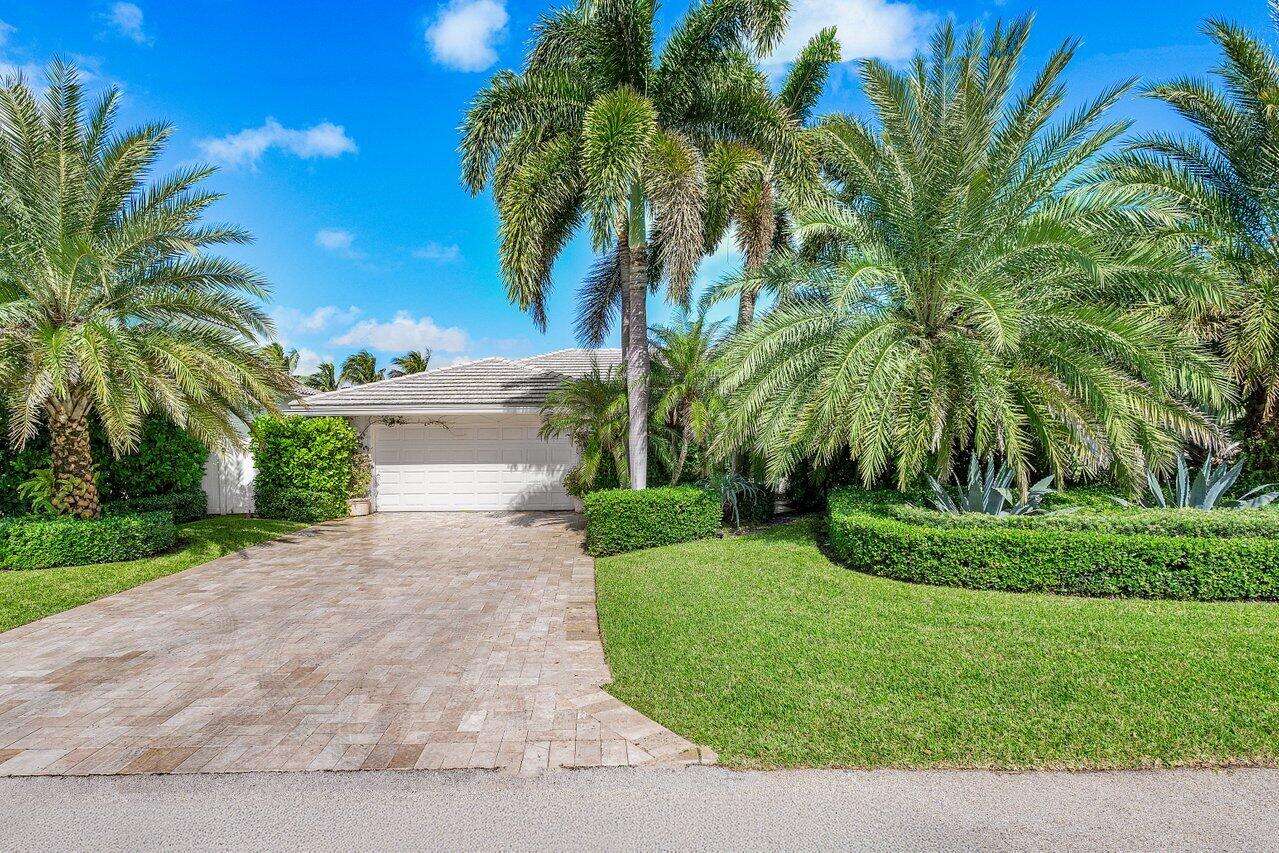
(973, 286)
(324, 378)
(112, 305)
(1229, 179)
(685, 382)
(746, 192)
(413, 361)
(601, 127)
(287, 361)
(591, 410)
(360, 368)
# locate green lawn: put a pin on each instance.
(764, 650)
(29, 595)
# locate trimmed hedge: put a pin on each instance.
(620, 520)
(32, 542)
(299, 505)
(300, 453)
(1218, 524)
(183, 506)
(875, 533)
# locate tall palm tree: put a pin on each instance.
(287, 361)
(685, 382)
(360, 368)
(112, 305)
(324, 378)
(605, 128)
(591, 411)
(973, 286)
(1229, 178)
(413, 361)
(746, 192)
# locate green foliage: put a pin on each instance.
(987, 493)
(620, 520)
(298, 505)
(310, 454)
(1202, 493)
(167, 459)
(183, 506)
(324, 378)
(962, 291)
(42, 543)
(361, 473)
(360, 368)
(413, 361)
(37, 493)
(1036, 554)
(590, 411)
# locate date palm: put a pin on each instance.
(605, 128)
(275, 354)
(360, 368)
(413, 361)
(112, 304)
(974, 286)
(687, 398)
(324, 378)
(1229, 177)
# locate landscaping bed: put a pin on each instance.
(764, 650)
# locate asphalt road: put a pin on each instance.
(619, 809)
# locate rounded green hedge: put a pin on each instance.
(620, 520)
(302, 505)
(183, 506)
(31, 542)
(1095, 555)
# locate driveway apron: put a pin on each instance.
(397, 640)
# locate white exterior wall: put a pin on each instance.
(228, 479)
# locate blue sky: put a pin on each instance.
(336, 126)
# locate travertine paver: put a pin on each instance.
(408, 640)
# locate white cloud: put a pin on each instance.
(464, 33)
(338, 241)
(309, 361)
(247, 146)
(126, 20)
(291, 322)
(403, 332)
(438, 253)
(9, 66)
(865, 28)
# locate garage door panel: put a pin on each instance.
(484, 467)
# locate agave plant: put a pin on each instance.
(1204, 491)
(987, 492)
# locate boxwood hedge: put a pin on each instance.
(298, 505)
(183, 506)
(31, 542)
(620, 520)
(1127, 554)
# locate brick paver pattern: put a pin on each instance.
(403, 640)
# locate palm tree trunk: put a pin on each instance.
(75, 492)
(635, 351)
(683, 455)
(624, 273)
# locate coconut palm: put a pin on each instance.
(112, 304)
(974, 287)
(684, 380)
(1229, 177)
(591, 411)
(360, 368)
(287, 361)
(413, 361)
(605, 128)
(324, 378)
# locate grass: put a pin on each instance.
(763, 649)
(26, 596)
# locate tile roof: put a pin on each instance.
(487, 382)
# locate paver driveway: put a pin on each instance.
(395, 640)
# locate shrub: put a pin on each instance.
(1220, 524)
(620, 520)
(183, 506)
(307, 454)
(45, 543)
(168, 460)
(1101, 556)
(299, 505)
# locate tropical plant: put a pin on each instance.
(360, 368)
(734, 489)
(413, 361)
(274, 353)
(604, 127)
(324, 378)
(684, 382)
(1229, 178)
(1204, 490)
(38, 491)
(111, 303)
(987, 492)
(591, 411)
(971, 287)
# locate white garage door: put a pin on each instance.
(473, 464)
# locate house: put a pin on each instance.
(464, 437)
